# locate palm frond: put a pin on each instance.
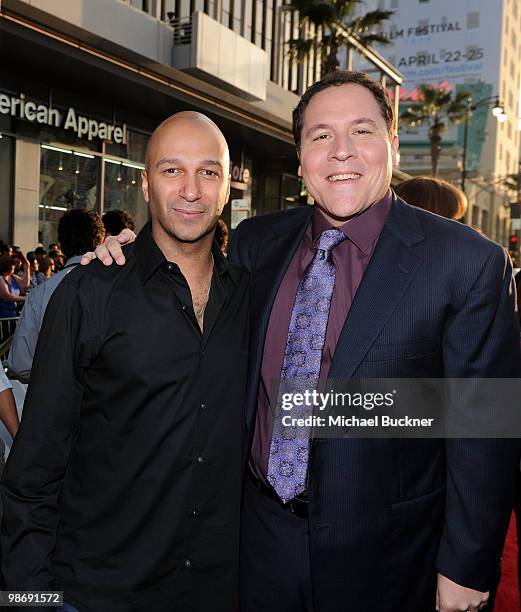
(372, 19)
(371, 39)
(299, 48)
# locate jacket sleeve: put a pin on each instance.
(37, 464)
(238, 253)
(481, 340)
(21, 353)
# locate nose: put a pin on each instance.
(189, 190)
(342, 148)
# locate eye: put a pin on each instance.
(321, 137)
(362, 131)
(172, 171)
(209, 173)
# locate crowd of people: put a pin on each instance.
(22, 273)
(154, 469)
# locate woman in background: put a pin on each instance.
(434, 194)
(12, 287)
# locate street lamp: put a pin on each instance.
(498, 112)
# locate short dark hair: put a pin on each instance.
(345, 77)
(117, 220)
(221, 233)
(45, 264)
(79, 231)
(6, 263)
(40, 251)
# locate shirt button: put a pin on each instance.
(203, 406)
(170, 267)
(188, 563)
(195, 511)
(200, 460)
(183, 307)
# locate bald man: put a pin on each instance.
(123, 486)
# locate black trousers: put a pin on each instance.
(275, 571)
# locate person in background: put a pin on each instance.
(46, 265)
(117, 220)
(221, 235)
(12, 286)
(8, 416)
(55, 246)
(40, 252)
(6, 249)
(59, 260)
(17, 263)
(33, 268)
(433, 194)
(79, 231)
(8, 413)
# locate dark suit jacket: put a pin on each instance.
(436, 301)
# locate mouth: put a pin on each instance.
(347, 176)
(188, 214)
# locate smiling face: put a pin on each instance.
(346, 152)
(187, 178)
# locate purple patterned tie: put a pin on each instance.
(289, 451)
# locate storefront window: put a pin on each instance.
(122, 190)
(68, 179)
(134, 149)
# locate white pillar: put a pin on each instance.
(26, 194)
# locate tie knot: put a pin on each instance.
(328, 240)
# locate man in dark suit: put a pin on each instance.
(370, 525)
(363, 285)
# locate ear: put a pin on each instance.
(227, 197)
(144, 185)
(395, 144)
(299, 171)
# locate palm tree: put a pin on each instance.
(334, 18)
(437, 108)
(513, 181)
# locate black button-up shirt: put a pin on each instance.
(123, 484)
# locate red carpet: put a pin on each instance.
(507, 599)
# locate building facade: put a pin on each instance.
(83, 84)
(472, 46)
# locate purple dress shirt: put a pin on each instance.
(351, 258)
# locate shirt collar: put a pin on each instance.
(149, 256)
(361, 230)
(72, 261)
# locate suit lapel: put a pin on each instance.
(277, 252)
(388, 275)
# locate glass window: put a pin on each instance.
(475, 216)
(134, 149)
(258, 23)
(68, 179)
(237, 16)
(122, 190)
(247, 19)
(225, 12)
(472, 21)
